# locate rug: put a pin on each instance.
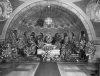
(47, 69)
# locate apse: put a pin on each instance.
(45, 18)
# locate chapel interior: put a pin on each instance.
(49, 37)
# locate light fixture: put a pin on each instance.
(48, 20)
(48, 6)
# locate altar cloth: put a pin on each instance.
(55, 51)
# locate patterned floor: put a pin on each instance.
(69, 69)
(29, 69)
(18, 69)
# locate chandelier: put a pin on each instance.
(48, 20)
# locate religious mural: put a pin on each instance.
(93, 10)
(48, 18)
(49, 33)
(5, 9)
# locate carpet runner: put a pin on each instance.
(47, 69)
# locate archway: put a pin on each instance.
(68, 5)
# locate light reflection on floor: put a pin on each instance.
(18, 69)
(18, 73)
(29, 69)
(71, 68)
(75, 69)
(90, 68)
(80, 74)
(25, 67)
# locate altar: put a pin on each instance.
(49, 52)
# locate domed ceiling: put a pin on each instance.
(46, 18)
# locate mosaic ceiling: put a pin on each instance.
(46, 18)
(52, 16)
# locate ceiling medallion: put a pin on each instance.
(5, 9)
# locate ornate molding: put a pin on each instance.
(5, 9)
(93, 10)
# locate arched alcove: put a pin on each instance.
(68, 5)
